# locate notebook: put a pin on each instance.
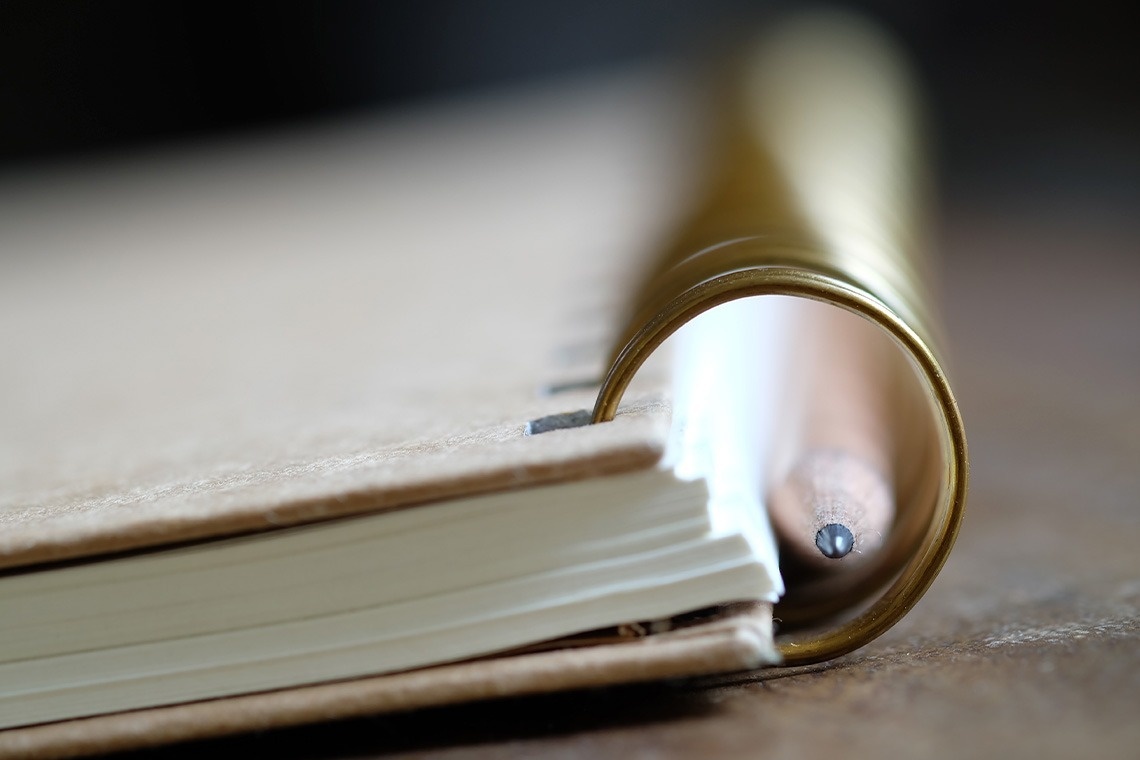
(235, 339)
(296, 428)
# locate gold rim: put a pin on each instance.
(915, 577)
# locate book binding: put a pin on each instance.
(797, 209)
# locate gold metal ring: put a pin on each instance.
(811, 281)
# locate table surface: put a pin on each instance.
(1028, 644)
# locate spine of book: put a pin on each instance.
(817, 194)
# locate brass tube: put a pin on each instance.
(817, 194)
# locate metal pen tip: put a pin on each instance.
(834, 540)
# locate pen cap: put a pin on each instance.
(817, 193)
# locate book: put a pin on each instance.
(266, 412)
(279, 345)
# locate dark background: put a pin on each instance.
(1028, 97)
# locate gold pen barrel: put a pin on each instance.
(818, 193)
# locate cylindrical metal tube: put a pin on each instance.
(817, 195)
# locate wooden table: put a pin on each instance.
(1028, 645)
